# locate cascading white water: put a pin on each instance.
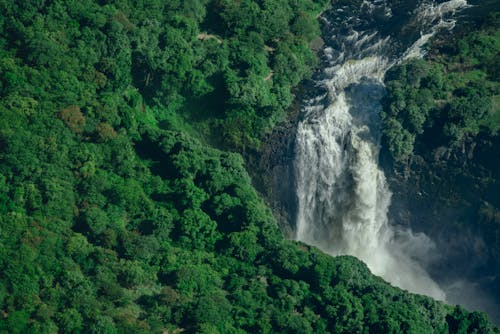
(343, 197)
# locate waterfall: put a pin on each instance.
(343, 196)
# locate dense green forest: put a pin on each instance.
(123, 207)
(450, 97)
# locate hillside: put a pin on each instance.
(125, 206)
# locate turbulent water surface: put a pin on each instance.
(343, 197)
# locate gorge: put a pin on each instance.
(343, 197)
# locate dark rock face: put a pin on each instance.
(451, 195)
(274, 174)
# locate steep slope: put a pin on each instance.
(116, 216)
(441, 138)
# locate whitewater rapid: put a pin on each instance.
(343, 196)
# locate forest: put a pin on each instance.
(125, 205)
(447, 99)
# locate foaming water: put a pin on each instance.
(343, 196)
(439, 15)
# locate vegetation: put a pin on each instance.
(441, 124)
(447, 99)
(115, 214)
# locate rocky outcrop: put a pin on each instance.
(451, 195)
(272, 168)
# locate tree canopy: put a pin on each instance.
(117, 216)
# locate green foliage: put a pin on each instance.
(444, 100)
(399, 140)
(114, 218)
